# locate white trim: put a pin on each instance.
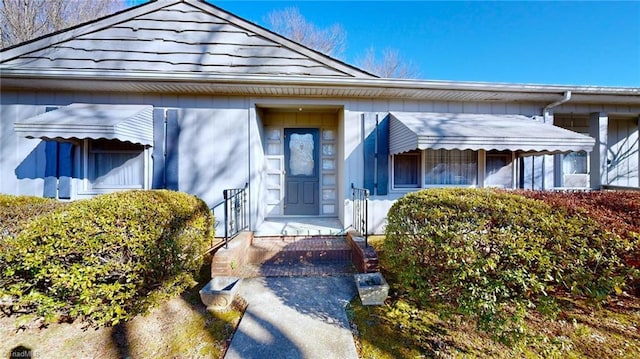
(480, 173)
(421, 166)
(354, 83)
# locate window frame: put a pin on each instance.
(418, 153)
(421, 174)
(478, 171)
(89, 189)
(564, 174)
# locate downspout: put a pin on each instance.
(565, 98)
(545, 111)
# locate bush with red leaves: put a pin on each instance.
(616, 211)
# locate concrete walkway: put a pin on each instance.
(295, 317)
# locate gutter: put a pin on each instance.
(285, 80)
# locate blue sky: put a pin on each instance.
(573, 43)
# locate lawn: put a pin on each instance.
(399, 329)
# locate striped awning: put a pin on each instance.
(449, 131)
(126, 123)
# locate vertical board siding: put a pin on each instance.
(623, 152)
(158, 180)
(172, 168)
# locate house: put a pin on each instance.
(184, 95)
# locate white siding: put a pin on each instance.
(217, 134)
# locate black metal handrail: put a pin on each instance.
(361, 211)
(235, 212)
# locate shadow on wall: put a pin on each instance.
(52, 162)
(622, 164)
(33, 166)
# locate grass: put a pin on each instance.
(179, 328)
(400, 329)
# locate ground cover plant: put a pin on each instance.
(494, 257)
(106, 259)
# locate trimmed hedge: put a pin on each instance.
(105, 259)
(617, 211)
(492, 255)
(15, 210)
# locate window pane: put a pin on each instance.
(273, 148)
(328, 165)
(115, 170)
(406, 170)
(328, 194)
(328, 209)
(575, 169)
(328, 135)
(273, 134)
(273, 195)
(498, 171)
(301, 160)
(329, 180)
(328, 150)
(273, 180)
(115, 164)
(574, 162)
(451, 167)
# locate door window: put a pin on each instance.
(301, 161)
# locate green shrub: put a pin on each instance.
(106, 259)
(16, 210)
(492, 255)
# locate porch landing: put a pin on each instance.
(300, 226)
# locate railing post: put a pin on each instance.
(226, 218)
(366, 218)
(235, 212)
(361, 212)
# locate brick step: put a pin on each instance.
(292, 250)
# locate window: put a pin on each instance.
(451, 167)
(114, 164)
(499, 172)
(575, 169)
(406, 170)
(440, 167)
